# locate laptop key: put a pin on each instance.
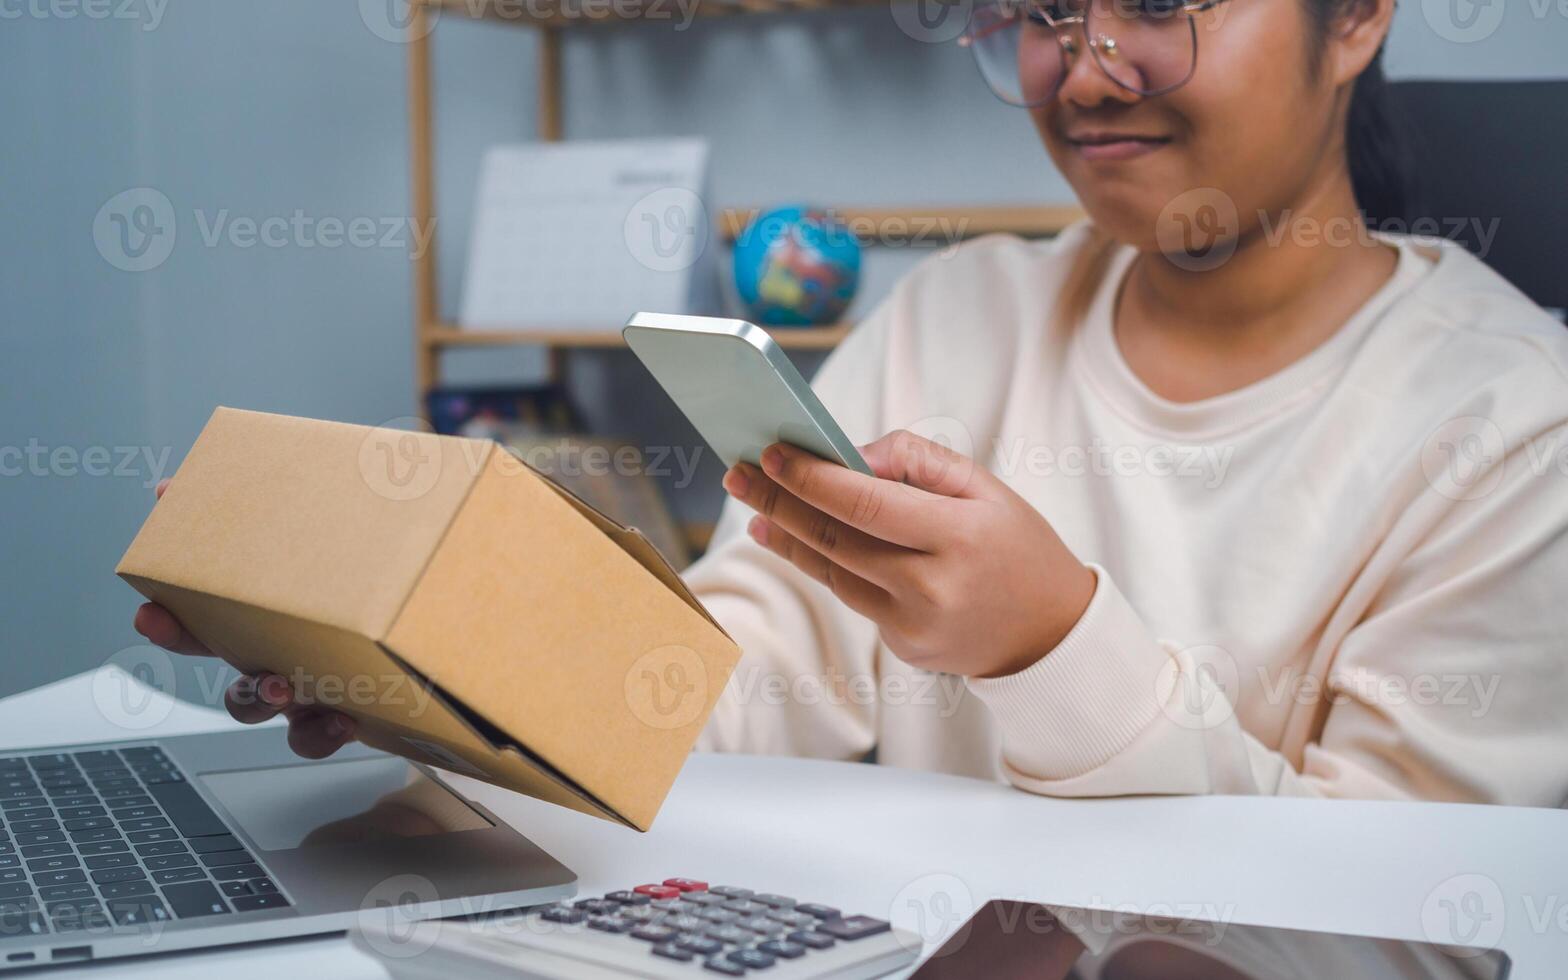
(126, 889)
(57, 760)
(79, 812)
(252, 903)
(60, 893)
(170, 876)
(93, 757)
(225, 858)
(235, 888)
(106, 875)
(41, 837)
(95, 836)
(122, 860)
(196, 899)
(161, 847)
(30, 826)
(84, 799)
(166, 861)
(89, 823)
(135, 812)
(189, 812)
(138, 911)
(15, 889)
(10, 861)
(102, 847)
(153, 836)
(145, 823)
(22, 924)
(238, 871)
(10, 876)
(57, 863)
(217, 842)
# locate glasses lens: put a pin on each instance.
(1145, 46)
(1017, 51)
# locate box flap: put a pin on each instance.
(631, 540)
(536, 620)
(321, 521)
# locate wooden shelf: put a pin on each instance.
(450, 335)
(932, 225)
(575, 13)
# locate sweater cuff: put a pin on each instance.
(1075, 708)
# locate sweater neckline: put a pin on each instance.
(1115, 381)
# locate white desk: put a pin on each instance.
(896, 843)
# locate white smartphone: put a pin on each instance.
(737, 387)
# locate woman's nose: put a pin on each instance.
(1086, 84)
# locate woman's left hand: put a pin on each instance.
(960, 573)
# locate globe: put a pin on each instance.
(796, 266)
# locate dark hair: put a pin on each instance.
(1374, 134)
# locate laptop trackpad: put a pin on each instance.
(341, 802)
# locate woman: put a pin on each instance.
(1230, 495)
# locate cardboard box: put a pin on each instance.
(466, 611)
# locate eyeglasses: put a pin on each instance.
(1025, 48)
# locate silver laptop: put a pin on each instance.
(131, 848)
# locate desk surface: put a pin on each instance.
(920, 848)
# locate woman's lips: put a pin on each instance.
(1107, 148)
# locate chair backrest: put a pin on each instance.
(1490, 162)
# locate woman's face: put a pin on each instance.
(1254, 122)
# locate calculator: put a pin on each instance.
(679, 927)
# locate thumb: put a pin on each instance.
(907, 458)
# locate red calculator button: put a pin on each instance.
(658, 891)
(687, 884)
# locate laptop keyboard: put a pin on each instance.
(115, 839)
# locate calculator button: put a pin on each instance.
(658, 891)
(716, 915)
(852, 927)
(701, 945)
(729, 892)
(775, 901)
(752, 959)
(687, 884)
(671, 951)
(653, 933)
(598, 906)
(782, 948)
(610, 923)
(761, 924)
(729, 934)
(563, 914)
(640, 913)
(818, 911)
(793, 919)
(719, 964)
(745, 906)
(703, 898)
(813, 940)
(682, 923)
(628, 898)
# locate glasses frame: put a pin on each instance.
(1062, 27)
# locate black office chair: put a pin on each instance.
(1494, 151)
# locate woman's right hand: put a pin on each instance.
(314, 732)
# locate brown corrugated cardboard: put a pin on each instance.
(466, 611)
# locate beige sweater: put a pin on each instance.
(1349, 579)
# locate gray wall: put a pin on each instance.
(239, 109)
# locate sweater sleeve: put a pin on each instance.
(804, 654)
(1449, 686)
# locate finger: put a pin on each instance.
(864, 597)
(159, 625)
(906, 458)
(255, 698)
(880, 508)
(869, 557)
(316, 733)
(163, 485)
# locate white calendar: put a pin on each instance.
(580, 235)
